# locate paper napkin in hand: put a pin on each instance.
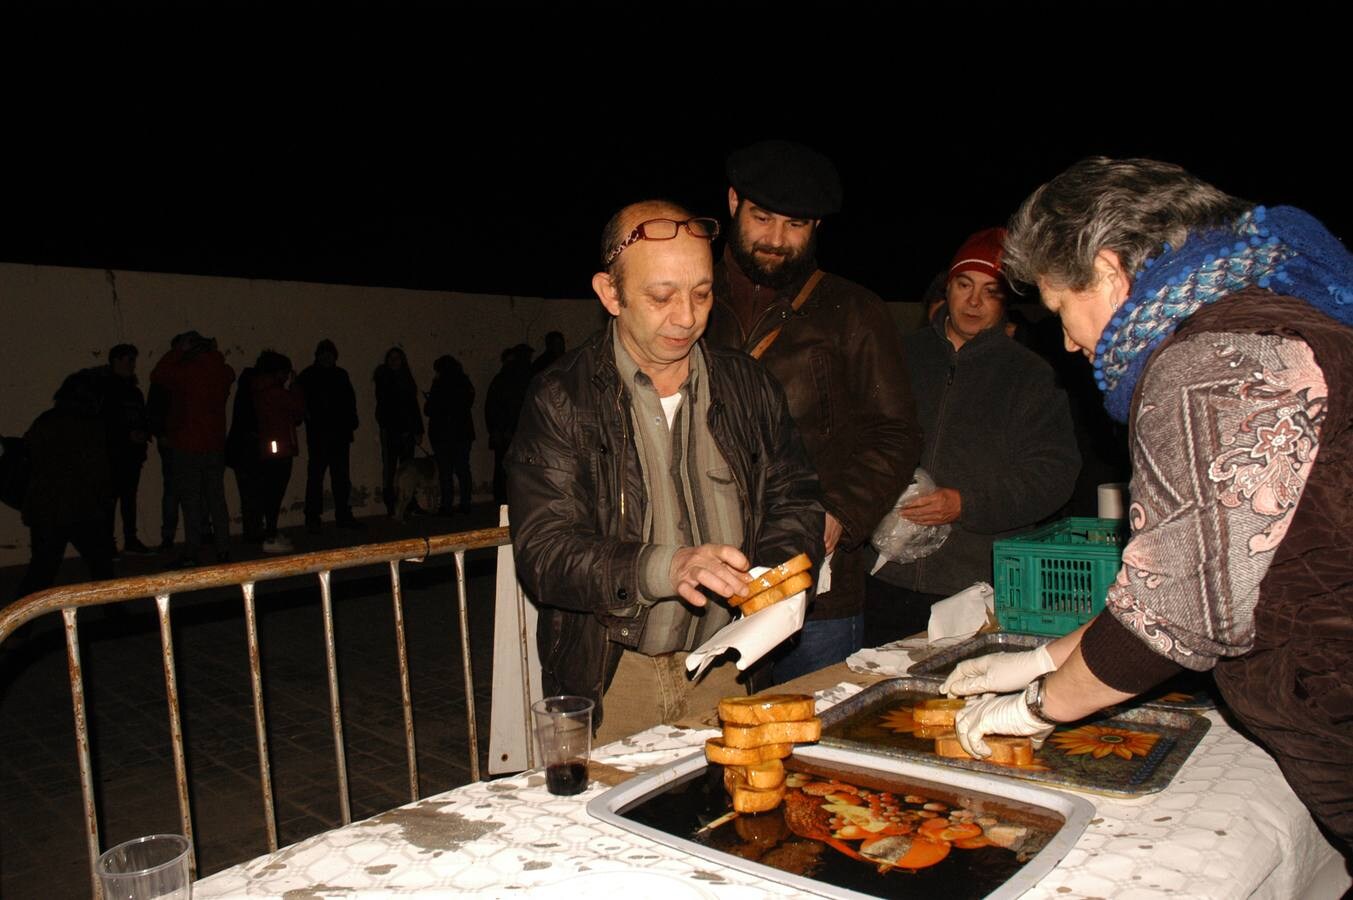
(754, 636)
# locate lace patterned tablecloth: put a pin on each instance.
(1228, 826)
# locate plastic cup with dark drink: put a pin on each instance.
(564, 736)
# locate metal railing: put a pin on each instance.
(69, 599)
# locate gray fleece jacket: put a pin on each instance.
(997, 429)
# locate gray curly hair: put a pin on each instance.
(1130, 206)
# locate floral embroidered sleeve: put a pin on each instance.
(1226, 431)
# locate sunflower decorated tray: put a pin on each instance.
(855, 825)
(1189, 691)
(1127, 753)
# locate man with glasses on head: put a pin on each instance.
(648, 473)
(835, 349)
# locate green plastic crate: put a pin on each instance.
(1054, 579)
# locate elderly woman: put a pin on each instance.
(1220, 332)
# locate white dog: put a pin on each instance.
(416, 479)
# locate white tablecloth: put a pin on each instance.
(1228, 826)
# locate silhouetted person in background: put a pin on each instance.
(157, 412)
(398, 416)
(451, 429)
(502, 406)
(242, 455)
(330, 420)
(124, 415)
(198, 381)
(70, 488)
(554, 348)
(279, 408)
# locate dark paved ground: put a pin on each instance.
(42, 850)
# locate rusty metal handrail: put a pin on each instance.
(95, 593)
(246, 575)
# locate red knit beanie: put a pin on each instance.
(980, 253)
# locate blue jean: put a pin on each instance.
(821, 643)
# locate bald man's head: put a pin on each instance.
(661, 296)
(626, 220)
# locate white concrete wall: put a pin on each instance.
(55, 320)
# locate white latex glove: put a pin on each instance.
(998, 673)
(1005, 714)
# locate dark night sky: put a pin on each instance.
(452, 182)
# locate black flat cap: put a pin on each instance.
(786, 178)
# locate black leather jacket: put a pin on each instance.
(577, 500)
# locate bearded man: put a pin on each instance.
(836, 351)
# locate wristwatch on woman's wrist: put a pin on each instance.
(1033, 699)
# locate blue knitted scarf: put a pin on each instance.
(1282, 249)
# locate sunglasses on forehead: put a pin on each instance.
(665, 230)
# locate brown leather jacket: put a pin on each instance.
(840, 360)
(577, 501)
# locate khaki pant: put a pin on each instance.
(653, 690)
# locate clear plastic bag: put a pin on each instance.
(898, 540)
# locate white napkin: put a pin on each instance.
(754, 636)
(963, 614)
(952, 620)
(892, 660)
(824, 574)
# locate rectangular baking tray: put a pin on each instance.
(1189, 691)
(974, 790)
(1121, 753)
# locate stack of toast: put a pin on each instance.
(774, 585)
(759, 732)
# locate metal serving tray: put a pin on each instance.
(685, 806)
(1123, 753)
(1188, 691)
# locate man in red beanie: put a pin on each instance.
(999, 441)
(834, 348)
(975, 290)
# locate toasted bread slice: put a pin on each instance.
(750, 800)
(765, 708)
(947, 745)
(771, 577)
(762, 776)
(939, 711)
(1011, 751)
(772, 733)
(787, 588)
(766, 775)
(1005, 751)
(716, 751)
